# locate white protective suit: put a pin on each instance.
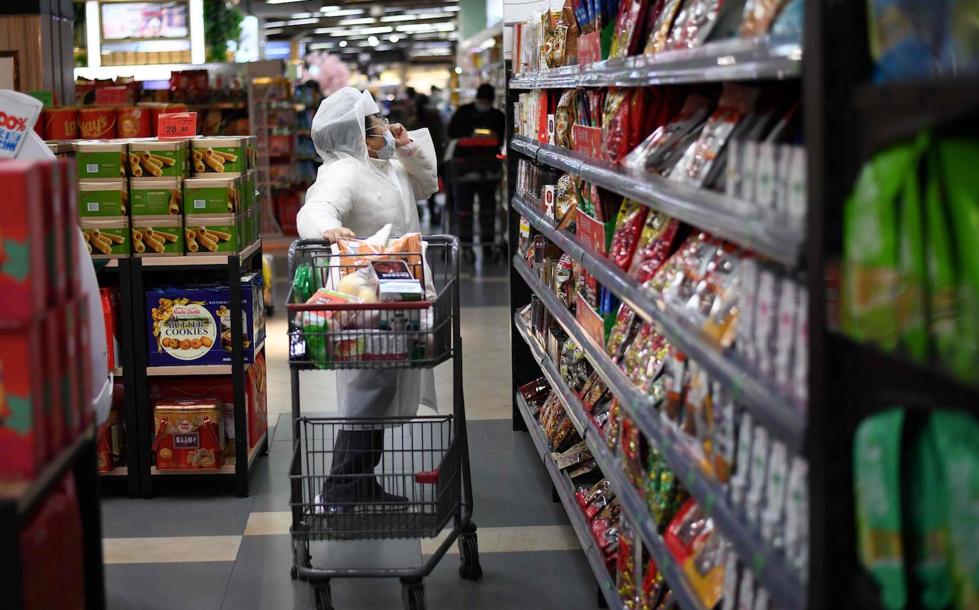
(353, 190)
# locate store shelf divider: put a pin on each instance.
(565, 491)
(723, 216)
(737, 59)
(769, 566)
(773, 409)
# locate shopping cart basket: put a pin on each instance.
(342, 489)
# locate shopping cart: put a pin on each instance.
(341, 489)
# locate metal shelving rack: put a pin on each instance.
(734, 220)
(146, 270)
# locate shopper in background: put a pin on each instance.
(466, 122)
(372, 175)
(427, 117)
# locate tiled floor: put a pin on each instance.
(209, 551)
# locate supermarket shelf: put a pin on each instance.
(635, 508)
(727, 60)
(716, 213)
(777, 412)
(219, 106)
(769, 566)
(894, 379)
(203, 260)
(565, 490)
(113, 263)
(194, 371)
(26, 494)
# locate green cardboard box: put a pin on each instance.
(103, 198)
(107, 238)
(156, 196)
(158, 236)
(97, 159)
(213, 195)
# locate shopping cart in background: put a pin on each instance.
(424, 458)
(472, 164)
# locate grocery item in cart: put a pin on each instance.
(188, 434)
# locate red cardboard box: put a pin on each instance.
(55, 233)
(22, 259)
(75, 401)
(110, 304)
(23, 437)
(68, 210)
(56, 389)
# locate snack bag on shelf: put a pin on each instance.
(676, 378)
(773, 513)
(625, 572)
(698, 159)
(716, 308)
(724, 438)
(693, 24)
(942, 277)
(628, 227)
(729, 590)
(564, 118)
(705, 568)
(755, 498)
(658, 152)
(654, 246)
(758, 16)
(681, 535)
(628, 27)
(653, 588)
(620, 337)
(662, 25)
(664, 493)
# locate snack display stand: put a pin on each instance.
(846, 120)
(230, 267)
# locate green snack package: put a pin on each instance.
(870, 248)
(912, 330)
(942, 274)
(877, 483)
(929, 522)
(316, 352)
(957, 437)
(302, 283)
(959, 160)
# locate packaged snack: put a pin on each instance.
(628, 226)
(742, 466)
(156, 196)
(661, 27)
(929, 520)
(754, 501)
(957, 436)
(107, 238)
(942, 283)
(800, 360)
(625, 40)
(797, 517)
(106, 198)
(664, 493)
(687, 526)
(693, 24)
(158, 158)
(715, 307)
(60, 123)
(758, 16)
(695, 164)
(220, 155)
(676, 383)
(658, 152)
(617, 121)
(192, 325)
(97, 123)
(745, 331)
(621, 334)
(785, 336)
(729, 595)
(876, 483)
(654, 245)
(212, 195)
(723, 440)
(133, 122)
(653, 586)
(158, 236)
(213, 234)
(705, 568)
(766, 321)
(188, 434)
(100, 160)
(773, 513)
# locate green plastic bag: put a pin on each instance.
(960, 176)
(302, 283)
(871, 257)
(877, 483)
(957, 437)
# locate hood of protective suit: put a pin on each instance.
(338, 127)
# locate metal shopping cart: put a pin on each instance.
(422, 459)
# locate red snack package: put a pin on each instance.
(625, 40)
(616, 124)
(188, 434)
(621, 334)
(687, 526)
(654, 246)
(628, 226)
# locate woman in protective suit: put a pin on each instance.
(372, 175)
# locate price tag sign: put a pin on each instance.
(176, 125)
(112, 95)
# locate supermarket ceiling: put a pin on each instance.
(414, 30)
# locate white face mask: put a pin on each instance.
(388, 150)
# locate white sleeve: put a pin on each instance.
(421, 163)
(100, 381)
(328, 201)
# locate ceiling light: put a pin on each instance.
(309, 21)
(327, 9)
(416, 17)
(427, 27)
(343, 43)
(394, 38)
(274, 24)
(338, 12)
(300, 15)
(356, 21)
(451, 9)
(319, 45)
(458, 70)
(373, 41)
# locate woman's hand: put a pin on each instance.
(400, 135)
(335, 234)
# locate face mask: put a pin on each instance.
(387, 151)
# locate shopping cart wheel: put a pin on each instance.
(322, 596)
(469, 567)
(413, 594)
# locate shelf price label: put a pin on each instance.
(176, 125)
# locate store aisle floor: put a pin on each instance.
(209, 551)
